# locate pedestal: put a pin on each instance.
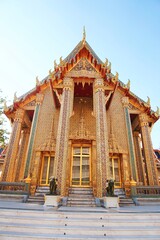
(52, 201)
(111, 202)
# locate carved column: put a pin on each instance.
(102, 156)
(125, 102)
(61, 155)
(93, 168)
(12, 151)
(39, 99)
(148, 151)
(139, 158)
(20, 166)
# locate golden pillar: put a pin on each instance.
(102, 156)
(10, 159)
(20, 165)
(125, 102)
(39, 99)
(93, 168)
(139, 158)
(61, 155)
(148, 151)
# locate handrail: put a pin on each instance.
(146, 190)
(13, 186)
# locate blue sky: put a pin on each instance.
(33, 33)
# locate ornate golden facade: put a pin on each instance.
(82, 125)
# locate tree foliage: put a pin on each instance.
(3, 131)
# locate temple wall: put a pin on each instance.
(44, 124)
(116, 115)
(89, 119)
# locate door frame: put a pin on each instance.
(48, 167)
(90, 157)
(119, 169)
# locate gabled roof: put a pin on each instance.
(83, 49)
(79, 46)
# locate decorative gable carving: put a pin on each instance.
(83, 64)
(131, 107)
(30, 105)
(83, 69)
(82, 132)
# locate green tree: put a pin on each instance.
(3, 131)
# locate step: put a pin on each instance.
(80, 202)
(123, 202)
(42, 191)
(148, 201)
(80, 195)
(83, 192)
(79, 232)
(36, 199)
(77, 198)
(64, 225)
(13, 197)
(73, 221)
(126, 200)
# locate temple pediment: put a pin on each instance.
(83, 68)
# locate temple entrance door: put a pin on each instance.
(81, 167)
(115, 173)
(46, 169)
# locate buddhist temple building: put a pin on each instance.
(83, 126)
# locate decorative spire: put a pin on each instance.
(106, 63)
(50, 72)
(55, 64)
(148, 101)
(128, 84)
(15, 97)
(61, 61)
(109, 66)
(5, 108)
(158, 112)
(37, 81)
(116, 76)
(84, 35)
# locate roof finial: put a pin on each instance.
(15, 97)
(37, 81)
(158, 112)
(84, 34)
(148, 101)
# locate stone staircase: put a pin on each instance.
(81, 197)
(55, 225)
(123, 200)
(38, 198)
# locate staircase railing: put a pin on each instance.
(14, 187)
(145, 191)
